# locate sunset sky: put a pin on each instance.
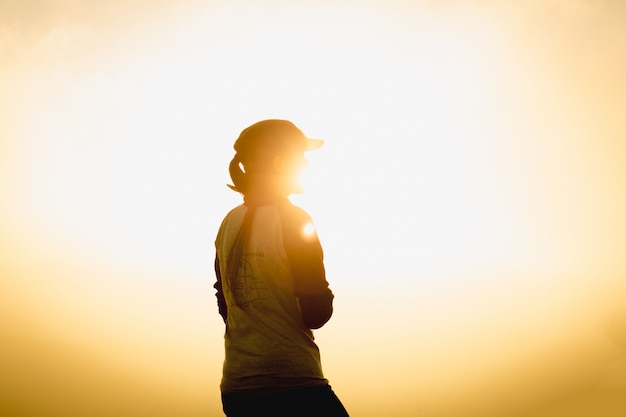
(470, 198)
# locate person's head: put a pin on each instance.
(270, 157)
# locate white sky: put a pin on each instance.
(469, 196)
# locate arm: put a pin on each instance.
(221, 301)
(306, 259)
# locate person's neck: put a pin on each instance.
(264, 196)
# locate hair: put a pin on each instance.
(238, 175)
(248, 168)
(235, 257)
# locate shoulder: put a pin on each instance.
(232, 219)
(294, 215)
(233, 215)
(294, 211)
(298, 226)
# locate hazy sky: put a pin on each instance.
(469, 197)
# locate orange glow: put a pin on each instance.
(469, 198)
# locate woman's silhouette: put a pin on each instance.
(271, 284)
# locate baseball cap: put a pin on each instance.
(274, 135)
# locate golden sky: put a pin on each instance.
(469, 197)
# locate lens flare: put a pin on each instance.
(308, 230)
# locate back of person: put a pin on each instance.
(268, 345)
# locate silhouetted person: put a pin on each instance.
(271, 284)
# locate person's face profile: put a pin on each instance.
(288, 168)
(291, 164)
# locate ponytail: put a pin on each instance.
(236, 256)
(238, 175)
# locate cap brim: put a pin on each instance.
(313, 144)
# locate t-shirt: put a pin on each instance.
(274, 294)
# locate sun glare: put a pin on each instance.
(308, 230)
